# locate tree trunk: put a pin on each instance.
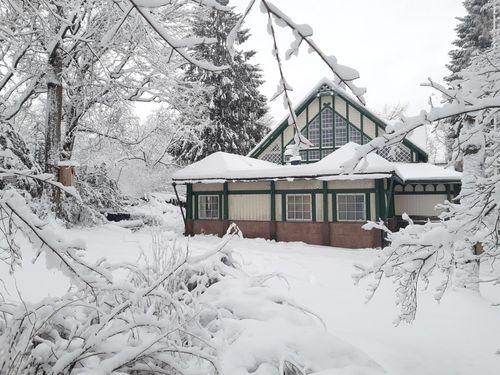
(54, 113)
(54, 119)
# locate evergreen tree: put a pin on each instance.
(474, 34)
(234, 116)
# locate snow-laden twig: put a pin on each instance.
(284, 89)
(467, 232)
(344, 74)
(178, 45)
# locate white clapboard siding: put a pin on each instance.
(418, 205)
(250, 207)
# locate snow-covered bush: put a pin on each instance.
(178, 312)
(14, 155)
(98, 192)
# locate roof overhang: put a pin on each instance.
(321, 177)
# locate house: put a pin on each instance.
(316, 202)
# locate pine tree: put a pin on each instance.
(474, 35)
(235, 107)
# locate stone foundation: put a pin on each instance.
(348, 235)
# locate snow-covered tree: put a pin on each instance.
(81, 56)
(234, 106)
(473, 38)
(473, 35)
(467, 233)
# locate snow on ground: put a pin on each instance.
(459, 336)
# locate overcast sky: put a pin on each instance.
(394, 44)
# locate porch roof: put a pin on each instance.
(221, 167)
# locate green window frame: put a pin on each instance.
(299, 207)
(209, 206)
(351, 207)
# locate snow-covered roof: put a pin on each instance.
(425, 172)
(221, 167)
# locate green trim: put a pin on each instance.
(368, 206)
(353, 190)
(334, 207)
(226, 202)
(283, 207)
(325, 201)
(390, 198)
(320, 145)
(313, 207)
(344, 191)
(362, 129)
(189, 201)
(220, 206)
(283, 191)
(299, 191)
(273, 201)
(233, 192)
(282, 148)
(421, 154)
(380, 200)
(306, 128)
(196, 216)
(280, 128)
(377, 202)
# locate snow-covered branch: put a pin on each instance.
(178, 45)
(303, 33)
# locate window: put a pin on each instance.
(340, 131)
(354, 135)
(327, 128)
(274, 155)
(365, 139)
(208, 206)
(298, 207)
(314, 155)
(313, 131)
(325, 153)
(351, 207)
(396, 153)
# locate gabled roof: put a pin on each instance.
(222, 167)
(341, 93)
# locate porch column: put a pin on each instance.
(272, 228)
(326, 224)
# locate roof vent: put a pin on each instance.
(325, 89)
